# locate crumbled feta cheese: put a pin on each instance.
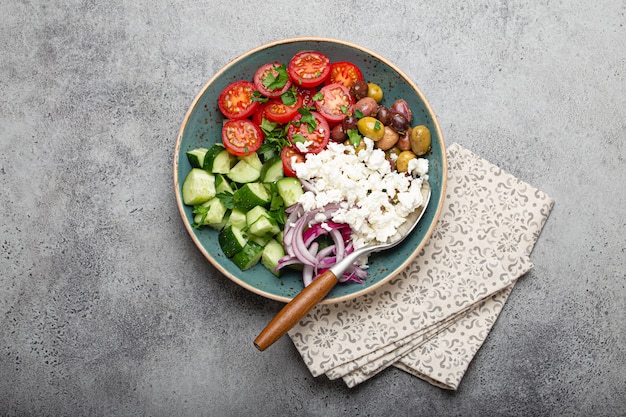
(303, 146)
(372, 199)
(418, 167)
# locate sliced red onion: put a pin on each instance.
(299, 239)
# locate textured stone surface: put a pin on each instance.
(107, 307)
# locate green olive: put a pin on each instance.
(402, 164)
(371, 128)
(374, 91)
(420, 140)
(393, 151)
(357, 148)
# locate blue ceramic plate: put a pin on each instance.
(202, 127)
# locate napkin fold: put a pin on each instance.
(432, 318)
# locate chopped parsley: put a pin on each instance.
(354, 137)
(276, 82)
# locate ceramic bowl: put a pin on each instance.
(201, 127)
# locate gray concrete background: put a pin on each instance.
(107, 307)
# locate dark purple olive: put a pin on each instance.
(367, 106)
(337, 134)
(402, 107)
(349, 123)
(358, 90)
(384, 115)
(404, 143)
(399, 123)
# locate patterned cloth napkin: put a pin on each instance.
(432, 318)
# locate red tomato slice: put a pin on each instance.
(274, 85)
(345, 73)
(277, 111)
(336, 103)
(286, 156)
(241, 137)
(260, 114)
(235, 101)
(309, 68)
(306, 141)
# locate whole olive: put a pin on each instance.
(361, 146)
(358, 90)
(374, 91)
(371, 128)
(349, 123)
(389, 139)
(384, 115)
(399, 123)
(402, 107)
(420, 140)
(337, 133)
(367, 106)
(402, 163)
(393, 151)
(404, 143)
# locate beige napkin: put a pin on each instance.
(432, 318)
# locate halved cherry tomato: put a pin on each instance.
(241, 137)
(345, 73)
(272, 79)
(309, 68)
(336, 103)
(260, 113)
(235, 101)
(277, 111)
(286, 156)
(308, 134)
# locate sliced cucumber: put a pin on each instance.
(243, 172)
(232, 240)
(198, 187)
(248, 256)
(260, 223)
(260, 240)
(250, 195)
(210, 213)
(222, 185)
(272, 252)
(218, 160)
(253, 160)
(272, 170)
(290, 189)
(237, 218)
(196, 157)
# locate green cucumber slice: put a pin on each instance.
(231, 240)
(237, 218)
(248, 256)
(218, 160)
(290, 189)
(253, 160)
(243, 173)
(222, 185)
(260, 223)
(250, 195)
(272, 170)
(210, 213)
(196, 157)
(198, 187)
(272, 252)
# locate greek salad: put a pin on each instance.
(311, 165)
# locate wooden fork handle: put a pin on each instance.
(296, 309)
